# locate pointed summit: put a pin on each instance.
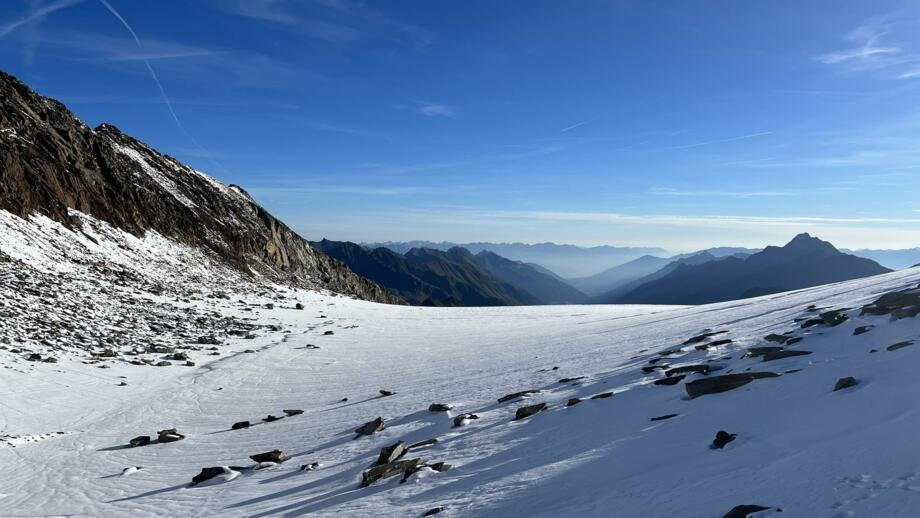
(806, 243)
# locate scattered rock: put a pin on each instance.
(269, 306)
(433, 511)
(516, 395)
(742, 511)
(786, 353)
(663, 417)
(722, 438)
(651, 368)
(169, 435)
(529, 410)
(569, 380)
(391, 453)
(271, 418)
(240, 425)
(219, 471)
(846, 382)
(726, 382)
(420, 444)
(702, 369)
(164, 363)
(572, 402)
(778, 338)
(299, 305)
(140, 440)
(327, 333)
(309, 467)
(370, 427)
(794, 340)
(269, 456)
(291, 413)
(386, 393)
(602, 395)
(897, 304)
(190, 363)
(438, 407)
(463, 419)
(899, 345)
(754, 352)
(673, 380)
(388, 470)
(699, 338)
(861, 330)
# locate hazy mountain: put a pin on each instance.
(565, 260)
(547, 288)
(803, 262)
(894, 259)
(611, 278)
(613, 294)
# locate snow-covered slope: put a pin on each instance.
(800, 446)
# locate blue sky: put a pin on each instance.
(675, 124)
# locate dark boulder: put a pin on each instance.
(269, 456)
(388, 470)
(516, 395)
(526, 411)
(569, 380)
(673, 380)
(663, 417)
(899, 345)
(722, 438)
(169, 435)
(328, 333)
(786, 353)
(754, 352)
(699, 338)
(686, 369)
(438, 407)
(422, 444)
(240, 425)
(862, 330)
(292, 412)
(462, 419)
(572, 402)
(208, 474)
(299, 305)
(271, 418)
(370, 427)
(140, 440)
(777, 338)
(743, 511)
(433, 511)
(726, 382)
(391, 453)
(652, 368)
(602, 395)
(846, 382)
(386, 393)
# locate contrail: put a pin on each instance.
(146, 62)
(156, 80)
(38, 13)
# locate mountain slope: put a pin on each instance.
(798, 445)
(546, 288)
(52, 164)
(894, 259)
(612, 278)
(458, 272)
(429, 277)
(803, 262)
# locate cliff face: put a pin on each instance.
(50, 162)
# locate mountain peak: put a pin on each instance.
(809, 243)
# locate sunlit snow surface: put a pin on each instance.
(800, 446)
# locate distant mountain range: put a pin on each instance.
(453, 277)
(894, 259)
(627, 273)
(564, 260)
(803, 262)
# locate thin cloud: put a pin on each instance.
(723, 141)
(573, 126)
(870, 53)
(430, 109)
(38, 13)
(662, 191)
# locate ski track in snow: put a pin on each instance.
(800, 446)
